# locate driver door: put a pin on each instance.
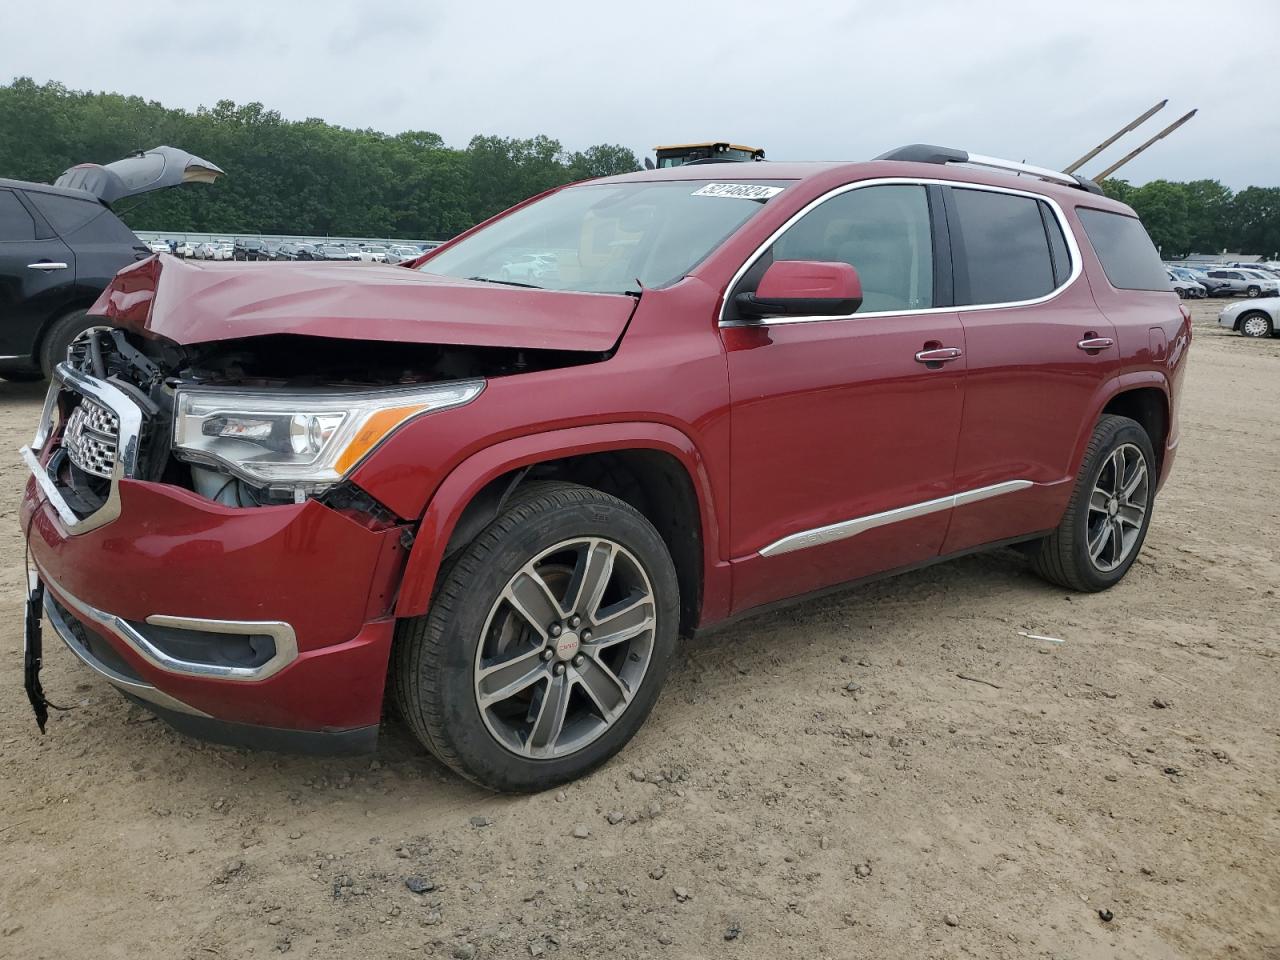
(843, 440)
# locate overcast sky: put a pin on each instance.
(805, 80)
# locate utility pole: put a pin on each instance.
(1115, 136)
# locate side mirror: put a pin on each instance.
(803, 288)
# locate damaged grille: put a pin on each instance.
(91, 437)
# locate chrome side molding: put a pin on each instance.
(851, 528)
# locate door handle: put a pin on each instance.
(939, 355)
(46, 265)
(1096, 343)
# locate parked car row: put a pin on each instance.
(1225, 280)
(254, 248)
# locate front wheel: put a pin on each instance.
(1257, 325)
(547, 642)
(1107, 517)
(1253, 293)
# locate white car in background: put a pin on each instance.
(371, 253)
(1252, 318)
(158, 246)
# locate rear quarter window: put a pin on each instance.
(15, 222)
(65, 214)
(1128, 256)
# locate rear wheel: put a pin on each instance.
(1256, 324)
(1107, 517)
(547, 642)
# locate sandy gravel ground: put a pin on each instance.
(815, 783)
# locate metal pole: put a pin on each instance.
(1114, 137)
(1159, 136)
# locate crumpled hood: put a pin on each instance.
(208, 301)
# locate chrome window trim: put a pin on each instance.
(143, 691)
(283, 634)
(1068, 235)
(846, 529)
(130, 417)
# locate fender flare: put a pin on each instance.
(467, 479)
(1108, 391)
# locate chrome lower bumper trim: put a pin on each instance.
(851, 528)
(143, 691)
(282, 634)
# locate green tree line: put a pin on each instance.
(288, 177)
(315, 178)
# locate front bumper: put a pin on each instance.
(276, 619)
(317, 583)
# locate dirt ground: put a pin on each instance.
(814, 783)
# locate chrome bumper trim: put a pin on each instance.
(130, 417)
(851, 528)
(143, 691)
(281, 632)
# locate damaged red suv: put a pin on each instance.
(498, 485)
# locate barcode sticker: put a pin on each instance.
(738, 191)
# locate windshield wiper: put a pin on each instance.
(508, 283)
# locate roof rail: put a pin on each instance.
(928, 153)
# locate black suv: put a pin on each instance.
(250, 249)
(61, 244)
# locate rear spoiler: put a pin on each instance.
(138, 173)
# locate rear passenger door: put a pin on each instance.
(1038, 351)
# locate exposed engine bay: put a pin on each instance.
(161, 378)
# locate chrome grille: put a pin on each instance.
(91, 437)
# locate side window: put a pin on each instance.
(15, 222)
(1006, 250)
(883, 232)
(65, 214)
(1128, 256)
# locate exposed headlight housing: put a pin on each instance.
(307, 439)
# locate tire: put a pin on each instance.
(1065, 557)
(1256, 324)
(1253, 293)
(53, 348)
(441, 659)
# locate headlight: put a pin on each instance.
(305, 438)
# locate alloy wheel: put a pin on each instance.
(1118, 507)
(1255, 325)
(565, 648)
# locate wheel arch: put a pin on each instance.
(1141, 396)
(655, 468)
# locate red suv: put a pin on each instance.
(267, 494)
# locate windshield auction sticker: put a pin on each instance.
(738, 191)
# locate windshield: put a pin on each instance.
(607, 237)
